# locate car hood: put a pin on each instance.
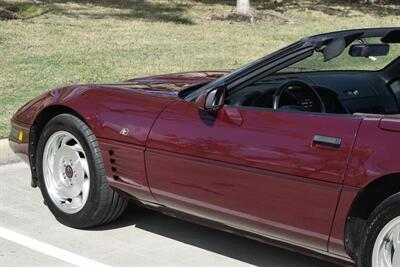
(170, 84)
(162, 89)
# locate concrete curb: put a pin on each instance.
(7, 156)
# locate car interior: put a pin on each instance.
(343, 92)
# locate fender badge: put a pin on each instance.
(124, 131)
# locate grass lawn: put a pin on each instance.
(98, 41)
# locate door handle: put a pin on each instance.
(328, 141)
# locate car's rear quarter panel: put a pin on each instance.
(375, 153)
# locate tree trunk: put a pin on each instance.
(243, 7)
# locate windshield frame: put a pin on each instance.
(280, 59)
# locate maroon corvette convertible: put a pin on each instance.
(299, 148)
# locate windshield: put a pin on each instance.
(345, 62)
(248, 68)
(324, 52)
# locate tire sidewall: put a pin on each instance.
(71, 125)
(380, 217)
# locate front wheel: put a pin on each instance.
(71, 175)
(381, 244)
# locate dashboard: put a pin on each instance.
(342, 92)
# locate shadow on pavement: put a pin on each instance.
(223, 243)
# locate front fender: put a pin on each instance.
(112, 113)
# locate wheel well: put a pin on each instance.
(36, 130)
(364, 204)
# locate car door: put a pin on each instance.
(253, 169)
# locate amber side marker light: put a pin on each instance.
(20, 136)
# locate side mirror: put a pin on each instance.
(211, 100)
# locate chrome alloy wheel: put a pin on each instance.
(386, 252)
(66, 172)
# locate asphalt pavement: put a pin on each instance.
(30, 236)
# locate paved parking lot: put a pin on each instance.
(139, 238)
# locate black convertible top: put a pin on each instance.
(360, 33)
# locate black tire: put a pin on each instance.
(382, 215)
(103, 204)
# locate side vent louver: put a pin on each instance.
(113, 165)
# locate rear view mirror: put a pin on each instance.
(369, 50)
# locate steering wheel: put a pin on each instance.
(285, 88)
